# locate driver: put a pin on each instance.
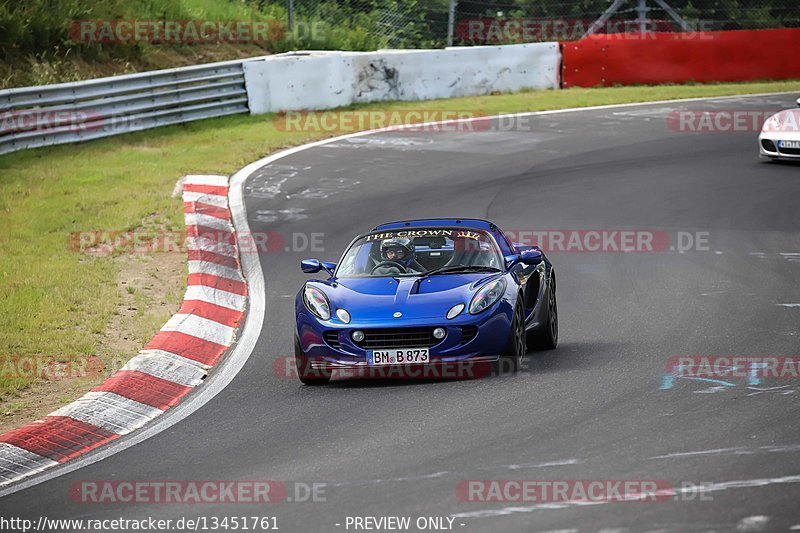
(401, 250)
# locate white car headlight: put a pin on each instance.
(317, 302)
(455, 311)
(343, 315)
(487, 296)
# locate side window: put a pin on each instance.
(347, 266)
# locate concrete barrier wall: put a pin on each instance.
(298, 82)
(324, 80)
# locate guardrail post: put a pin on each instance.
(451, 22)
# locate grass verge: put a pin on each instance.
(41, 41)
(58, 303)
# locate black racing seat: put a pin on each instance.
(466, 252)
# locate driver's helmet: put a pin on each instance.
(398, 249)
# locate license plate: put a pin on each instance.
(398, 357)
(788, 144)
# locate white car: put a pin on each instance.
(780, 135)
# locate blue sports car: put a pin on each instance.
(425, 292)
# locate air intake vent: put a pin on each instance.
(332, 338)
(398, 338)
(468, 333)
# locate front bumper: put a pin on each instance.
(768, 147)
(456, 368)
(491, 330)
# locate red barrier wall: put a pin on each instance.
(657, 58)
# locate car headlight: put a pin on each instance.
(487, 296)
(317, 302)
(455, 311)
(343, 315)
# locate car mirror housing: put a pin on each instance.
(531, 257)
(310, 266)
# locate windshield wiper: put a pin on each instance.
(458, 268)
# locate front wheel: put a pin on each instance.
(306, 374)
(511, 358)
(545, 337)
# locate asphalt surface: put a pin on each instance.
(594, 409)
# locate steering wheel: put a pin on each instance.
(391, 264)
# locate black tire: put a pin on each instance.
(545, 337)
(306, 374)
(510, 360)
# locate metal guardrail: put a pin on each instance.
(70, 112)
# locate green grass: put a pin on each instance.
(36, 47)
(57, 302)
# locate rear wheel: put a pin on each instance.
(511, 358)
(308, 375)
(545, 337)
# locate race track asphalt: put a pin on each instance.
(597, 408)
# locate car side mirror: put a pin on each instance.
(531, 257)
(312, 266)
(798, 102)
(526, 257)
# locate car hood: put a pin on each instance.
(789, 127)
(378, 299)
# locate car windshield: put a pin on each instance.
(420, 251)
